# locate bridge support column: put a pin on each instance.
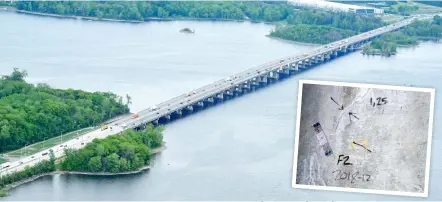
(264, 80)
(237, 90)
(200, 104)
(189, 108)
(229, 93)
(294, 67)
(219, 97)
(284, 72)
(273, 76)
(210, 100)
(178, 113)
(246, 86)
(327, 57)
(155, 122)
(164, 119)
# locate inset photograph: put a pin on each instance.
(363, 138)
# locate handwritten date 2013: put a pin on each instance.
(351, 177)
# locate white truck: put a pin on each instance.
(152, 108)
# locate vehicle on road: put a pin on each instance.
(124, 126)
(104, 127)
(5, 165)
(46, 153)
(152, 108)
(134, 116)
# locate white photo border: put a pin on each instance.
(359, 190)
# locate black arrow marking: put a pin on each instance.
(361, 146)
(350, 114)
(342, 106)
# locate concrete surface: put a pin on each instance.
(396, 133)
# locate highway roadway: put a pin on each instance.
(191, 97)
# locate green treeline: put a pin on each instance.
(312, 34)
(119, 153)
(143, 10)
(45, 166)
(30, 113)
(338, 24)
(401, 9)
(324, 27)
(410, 35)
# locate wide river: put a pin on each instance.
(240, 150)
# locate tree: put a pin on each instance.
(128, 99)
(17, 75)
(94, 164)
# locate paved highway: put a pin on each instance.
(191, 97)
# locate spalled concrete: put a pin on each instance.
(394, 134)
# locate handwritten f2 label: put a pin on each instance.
(379, 101)
(344, 159)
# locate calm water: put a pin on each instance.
(240, 150)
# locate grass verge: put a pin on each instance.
(37, 147)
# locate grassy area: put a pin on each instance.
(392, 18)
(32, 149)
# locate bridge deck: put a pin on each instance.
(221, 86)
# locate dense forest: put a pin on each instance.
(339, 24)
(119, 153)
(312, 34)
(142, 10)
(410, 35)
(324, 27)
(31, 113)
(45, 166)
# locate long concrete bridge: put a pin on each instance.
(254, 78)
(217, 92)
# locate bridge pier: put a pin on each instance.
(327, 57)
(155, 122)
(247, 87)
(210, 101)
(189, 108)
(164, 119)
(219, 98)
(273, 76)
(199, 105)
(263, 81)
(177, 114)
(228, 94)
(283, 72)
(237, 91)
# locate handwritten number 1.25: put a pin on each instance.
(378, 101)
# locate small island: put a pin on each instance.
(187, 30)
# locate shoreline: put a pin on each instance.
(117, 20)
(61, 172)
